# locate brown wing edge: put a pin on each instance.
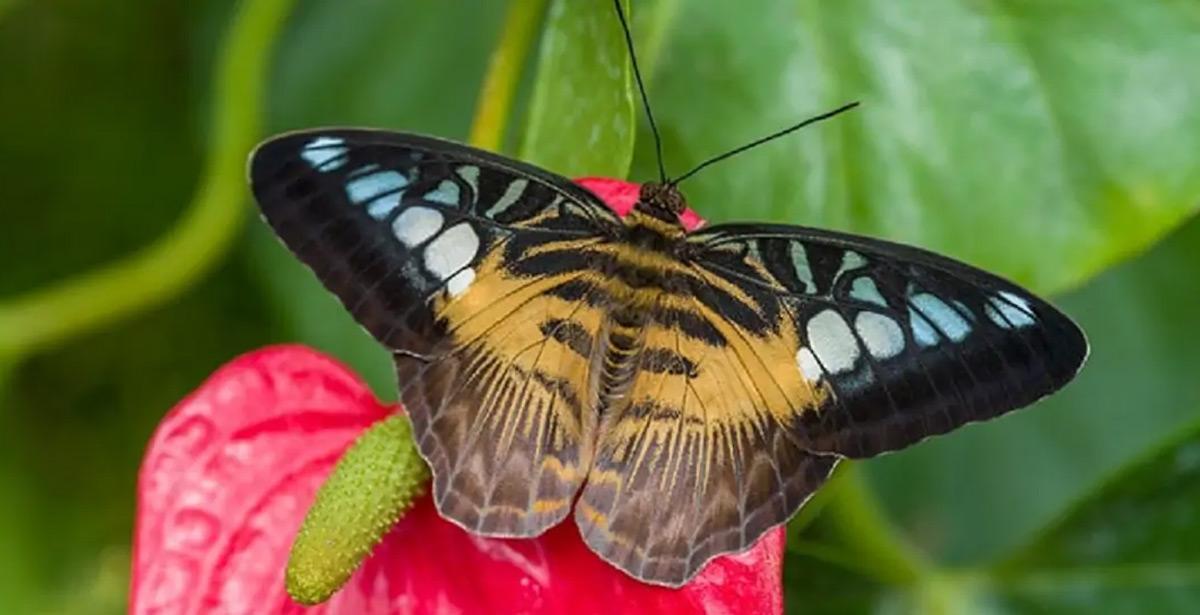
(810, 474)
(514, 500)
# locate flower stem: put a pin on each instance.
(177, 259)
(504, 73)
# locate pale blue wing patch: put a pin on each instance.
(850, 260)
(810, 368)
(865, 290)
(325, 153)
(380, 191)
(933, 320)
(1009, 311)
(460, 282)
(470, 175)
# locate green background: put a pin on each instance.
(1056, 142)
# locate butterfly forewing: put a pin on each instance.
(904, 344)
(388, 220)
(450, 257)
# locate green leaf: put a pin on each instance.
(1132, 547)
(581, 118)
(817, 586)
(1043, 140)
(410, 66)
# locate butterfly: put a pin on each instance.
(678, 393)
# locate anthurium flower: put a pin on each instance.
(231, 471)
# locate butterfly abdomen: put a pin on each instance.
(620, 355)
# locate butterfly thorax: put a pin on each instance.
(650, 254)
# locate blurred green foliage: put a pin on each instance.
(1056, 142)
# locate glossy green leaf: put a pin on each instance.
(410, 66)
(1132, 547)
(817, 586)
(581, 117)
(1045, 140)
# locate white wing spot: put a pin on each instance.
(809, 367)
(936, 314)
(803, 271)
(513, 192)
(381, 190)
(459, 282)
(446, 193)
(470, 174)
(1009, 311)
(325, 153)
(832, 341)
(883, 338)
(851, 260)
(451, 251)
(416, 224)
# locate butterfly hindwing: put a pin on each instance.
(906, 344)
(451, 257)
(502, 413)
(699, 461)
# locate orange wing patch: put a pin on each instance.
(700, 461)
(501, 413)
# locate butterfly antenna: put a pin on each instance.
(790, 129)
(637, 74)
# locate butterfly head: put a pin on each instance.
(663, 200)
